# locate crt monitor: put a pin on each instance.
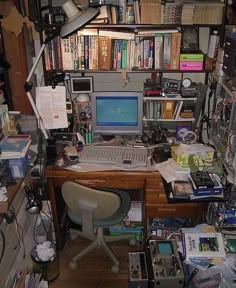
(117, 113)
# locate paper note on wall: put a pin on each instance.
(51, 104)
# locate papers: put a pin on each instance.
(51, 104)
(171, 171)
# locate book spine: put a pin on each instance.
(104, 53)
(86, 51)
(75, 53)
(79, 48)
(124, 54)
(167, 50)
(158, 51)
(82, 52)
(175, 51)
(119, 53)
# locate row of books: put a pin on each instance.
(110, 50)
(163, 12)
(167, 109)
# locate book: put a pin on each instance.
(14, 146)
(182, 189)
(175, 50)
(179, 109)
(105, 53)
(117, 34)
(203, 245)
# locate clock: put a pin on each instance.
(186, 82)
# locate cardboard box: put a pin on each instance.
(200, 160)
(191, 66)
(199, 57)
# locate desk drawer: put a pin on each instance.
(155, 197)
(175, 210)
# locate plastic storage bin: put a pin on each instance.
(18, 167)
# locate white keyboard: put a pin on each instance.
(127, 157)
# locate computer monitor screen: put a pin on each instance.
(117, 113)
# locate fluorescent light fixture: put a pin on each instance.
(76, 17)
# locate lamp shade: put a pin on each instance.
(76, 18)
(83, 98)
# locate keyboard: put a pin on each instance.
(127, 157)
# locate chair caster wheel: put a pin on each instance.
(115, 268)
(72, 265)
(132, 242)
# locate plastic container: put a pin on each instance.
(19, 167)
(49, 269)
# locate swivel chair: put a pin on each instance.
(95, 210)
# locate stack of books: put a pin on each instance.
(14, 146)
(132, 224)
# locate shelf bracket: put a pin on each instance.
(124, 78)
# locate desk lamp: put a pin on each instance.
(76, 19)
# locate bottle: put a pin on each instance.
(122, 7)
(213, 44)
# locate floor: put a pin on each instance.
(94, 270)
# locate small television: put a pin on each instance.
(117, 113)
(81, 84)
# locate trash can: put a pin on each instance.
(48, 269)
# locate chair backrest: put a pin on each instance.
(104, 203)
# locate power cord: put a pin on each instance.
(3, 245)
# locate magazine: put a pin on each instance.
(203, 245)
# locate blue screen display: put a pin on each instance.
(117, 111)
(165, 248)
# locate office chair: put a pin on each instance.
(95, 210)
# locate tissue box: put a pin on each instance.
(201, 158)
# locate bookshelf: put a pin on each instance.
(168, 17)
(87, 44)
(156, 109)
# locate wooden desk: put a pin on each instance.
(155, 202)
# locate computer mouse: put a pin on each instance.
(60, 161)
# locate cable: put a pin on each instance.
(3, 245)
(18, 226)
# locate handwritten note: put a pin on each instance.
(51, 104)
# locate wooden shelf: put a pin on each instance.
(145, 98)
(170, 120)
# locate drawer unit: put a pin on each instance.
(194, 211)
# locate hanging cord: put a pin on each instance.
(3, 245)
(19, 230)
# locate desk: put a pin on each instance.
(155, 201)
